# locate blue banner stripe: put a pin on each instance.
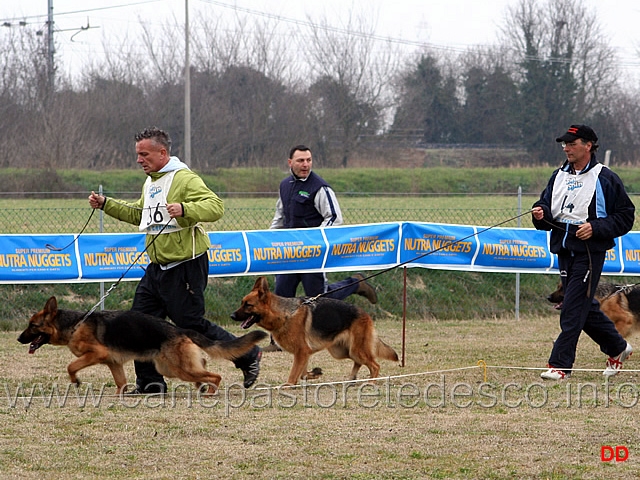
(106, 257)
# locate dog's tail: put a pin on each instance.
(386, 352)
(228, 350)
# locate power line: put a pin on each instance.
(482, 49)
(329, 28)
(388, 39)
(73, 12)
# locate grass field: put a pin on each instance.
(437, 417)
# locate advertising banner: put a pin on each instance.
(35, 258)
(434, 245)
(354, 247)
(277, 251)
(625, 257)
(228, 254)
(514, 248)
(108, 257)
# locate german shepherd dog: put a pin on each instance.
(304, 327)
(116, 337)
(621, 303)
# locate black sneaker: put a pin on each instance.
(252, 371)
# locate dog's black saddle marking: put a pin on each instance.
(131, 331)
(330, 317)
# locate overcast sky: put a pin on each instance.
(456, 24)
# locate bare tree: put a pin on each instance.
(124, 60)
(23, 67)
(593, 62)
(618, 128)
(262, 83)
(256, 43)
(164, 60)
(361, 66)
(216, 47)
(564, 63)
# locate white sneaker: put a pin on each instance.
(614, 364)
(555, 374)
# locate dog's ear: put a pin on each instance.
(261, 286)
(51, 306)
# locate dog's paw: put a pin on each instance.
(314, 373)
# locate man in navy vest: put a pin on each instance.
(306, 200)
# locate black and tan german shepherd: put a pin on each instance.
(116, 337)
(621, 303)
(304, 328)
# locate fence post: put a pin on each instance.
(101, 229)
(518, 274)
(404, 313)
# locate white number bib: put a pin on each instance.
(155, 217)
(572, 195)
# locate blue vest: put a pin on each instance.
(298, 198)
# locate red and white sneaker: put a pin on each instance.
(554, 374)
(614, 364)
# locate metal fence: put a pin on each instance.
(72, 220)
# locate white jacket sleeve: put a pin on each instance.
(278, 218)
(327, 205)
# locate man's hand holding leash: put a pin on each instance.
(96, 201)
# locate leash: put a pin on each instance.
(115, 284)
(75, 239)
(133, 263)
(590, 269)
(620, 289)
(442, 247)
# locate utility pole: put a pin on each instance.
(187, 88)
(50, 48)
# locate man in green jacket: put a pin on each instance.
(173, 204)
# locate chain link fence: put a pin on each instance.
(72, 220)
(51, 220)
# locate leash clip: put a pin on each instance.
(310, 300)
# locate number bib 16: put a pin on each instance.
(155, 217)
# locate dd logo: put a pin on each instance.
(619, 453)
